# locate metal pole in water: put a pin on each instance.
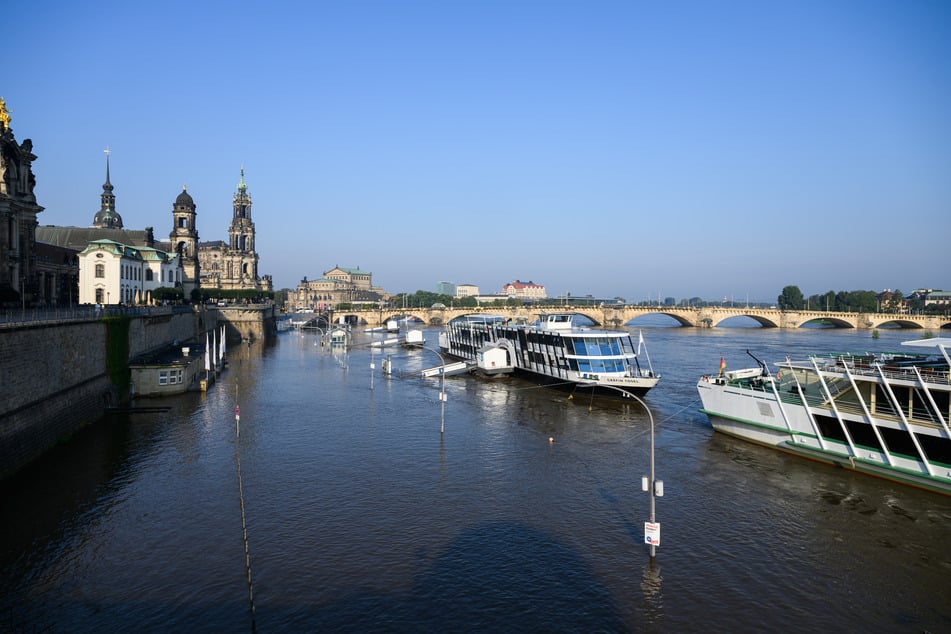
(442, 399)
(244, 523)
(654, 487)
(372, 366)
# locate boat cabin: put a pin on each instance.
(556, 321)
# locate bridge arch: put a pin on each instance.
(680, 318)
(763, 321)
(904, 324)
(833, 321)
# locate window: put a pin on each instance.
(170, 377)
(148, 275)
(100, 270)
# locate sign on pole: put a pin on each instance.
(652, 533)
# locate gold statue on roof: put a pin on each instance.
(4, 113)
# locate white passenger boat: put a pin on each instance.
(883, 414)
(556, 351)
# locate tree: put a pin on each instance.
(166, 293)
(898, 301)
(790, 298)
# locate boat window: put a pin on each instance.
(570, 345)
(609, 346)
(936, 449)
(863, 434)
(898, 441)
(829, 427)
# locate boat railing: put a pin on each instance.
(919, 414)
(928, 375)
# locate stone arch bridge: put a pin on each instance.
(704, 317)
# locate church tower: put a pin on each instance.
(243, 258)
(106, 217)
(184, 239)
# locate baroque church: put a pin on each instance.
(209, 265)
(232, 264)
(40, 265)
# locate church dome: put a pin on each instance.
(184, 198)
(107, 219)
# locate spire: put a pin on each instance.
(106, 217)
(242, 186)
(107, 186)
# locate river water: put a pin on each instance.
(526, 514)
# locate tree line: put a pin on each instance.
(792, 298)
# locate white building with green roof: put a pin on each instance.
(114, 273)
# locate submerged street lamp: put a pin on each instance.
(442, 389)
(649, 484)
(655, 488)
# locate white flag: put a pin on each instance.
(207, 359)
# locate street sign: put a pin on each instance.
(652, 533)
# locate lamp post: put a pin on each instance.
(442, 389)
(654, 487)
(649, 484)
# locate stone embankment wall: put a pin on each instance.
(255, 321)
(55, 377)
(54, 381)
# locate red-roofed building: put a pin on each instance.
(524, 290)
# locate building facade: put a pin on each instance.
(446, 288)
(114, 273)
(18, 210)
(57, 273)
(467, 290)
(233, 265)
(524, 290)
(938, 298)
(339, 285)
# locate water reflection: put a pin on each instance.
(651, 590)
(361, 516)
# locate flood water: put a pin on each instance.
(526, 514)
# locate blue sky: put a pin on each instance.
(708, 149)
